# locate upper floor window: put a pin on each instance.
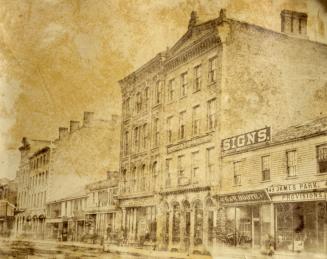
(265, 166)
(138, 102)
(195, 166)
(168, 172)
(136, 139)
(291, 162)
(181, 165)
(169, 130)
(237, 172)
(171, 90)
(156, 135)
(145, 136)
(183, 89)
(210, 163)
(196, 120)
(322, 158)
(294, 22)
(126, 143)
(212, 73)
(211, 116)
(197, 78)
(146, 97)
(182, 124)
(157, 92)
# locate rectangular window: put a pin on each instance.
(182, 124)
(265, 166)
(196, 120)
(212, 74)
(146, 97)
(211, 116)
(168, 172)
(171, 90)
(237, 172)
(197, 78)
(181, 165)
(157, 92)
(138, 102)
(183, 84)
(322, 158)
(291, 162)
(210, 164)
(195, 167)
(169, 130)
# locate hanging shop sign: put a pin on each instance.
(253, 196)
(295, 187)
(300, 196)
(247, 139)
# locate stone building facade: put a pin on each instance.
(278, 187)
(221, 78)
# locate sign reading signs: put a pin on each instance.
(244, 197)
(294, 187)
(246, 139)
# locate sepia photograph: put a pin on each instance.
(174, 129)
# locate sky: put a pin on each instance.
(59, 58)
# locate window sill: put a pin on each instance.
(237, 185)
(182, 97)
(324, 173)
(291, 177)
(210, 84)
(195, 91)
(266, 181)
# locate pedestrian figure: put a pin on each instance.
(268, 246)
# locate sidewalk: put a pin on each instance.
(217, 252)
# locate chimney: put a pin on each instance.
(63, 132)
(88, 118)
(193, 19)
(294, 23)
(74, 125)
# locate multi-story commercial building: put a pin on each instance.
(276, 187)
(66, 218)
(101, 209)
(32, 181)
(52, 171)
(222, 77)
(8, 200)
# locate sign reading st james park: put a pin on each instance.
(247, 139)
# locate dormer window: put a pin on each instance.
(294, 23)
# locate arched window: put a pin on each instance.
(142, 183)
(187, 221)
(198, 225)
(133, 179)
(176, 223)
(210, 219)
(124, 180)
(154, 175)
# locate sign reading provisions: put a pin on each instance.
(300, 196)
(247, 139)
(245, 197)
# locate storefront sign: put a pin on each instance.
(247, 139)
(294, 187)
(300, 196)
(244, 197)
